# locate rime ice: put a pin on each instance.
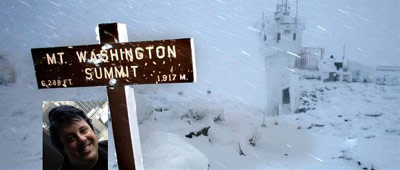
(112, 82)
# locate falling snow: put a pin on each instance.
(321, 28)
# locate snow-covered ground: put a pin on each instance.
(342, 126)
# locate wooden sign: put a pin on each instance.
(115, 64)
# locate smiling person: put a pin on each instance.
(73, 135)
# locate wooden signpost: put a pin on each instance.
(115, 63)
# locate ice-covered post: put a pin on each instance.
(122, 107)
(115, 63)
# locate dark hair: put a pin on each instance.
(64, 115)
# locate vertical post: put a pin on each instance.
(125, 128)
(344, 51)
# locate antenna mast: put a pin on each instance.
(295, 19)
(344, 50)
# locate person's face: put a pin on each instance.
(80, 143)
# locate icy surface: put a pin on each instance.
(169, 151)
